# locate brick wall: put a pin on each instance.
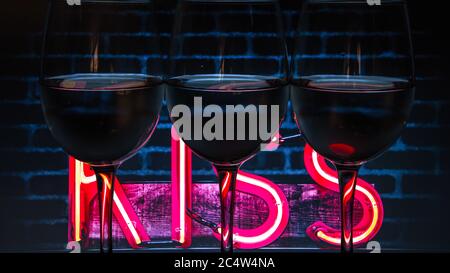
(412, 178)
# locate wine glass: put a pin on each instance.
(227, 81)
(352, 86)
(100, 98)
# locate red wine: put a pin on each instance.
(102, 118)
(351, 119)
(231, 90)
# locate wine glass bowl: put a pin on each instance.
(231, 90)
(352, 86)
(102, 119)
(351, 119)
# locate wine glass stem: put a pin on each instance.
(227, 178)
(347, 184)
(105, 184)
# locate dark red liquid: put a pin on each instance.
(102, 118)
(351, 119)
(222, 91)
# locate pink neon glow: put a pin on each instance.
(277, 219)
(181, 191)
(82, 192)
(248, 183)
(365, 194)
(226, 185)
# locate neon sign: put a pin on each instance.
(181, 191)
(83, 190)
(366, 195)
(278, 216)
(247, 183)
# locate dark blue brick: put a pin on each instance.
(266, 161)
(17, 44)
(113, 22)
(62, 65)
(287, 179)
(13, 90)
(133, 45)
(134, 163)
(12, 186)
(297, 162)
(390, 231)
(200, 164)
(13, 137)
(165, 44)
(256, 66)
(16, 113)
(444, 114)
(412, 236)
(19, 209)
(19, 66)
(36, 43)
(125, 64)
(269, 46)
(229, 22)
(31, 161)
(214, 45)
(107, 21)
(426, 184)
(44, 138)
(370, 44)
(424, 113)
(198, 22)
(431, 90)
(51, 233)
(444, 161)
(430, 66)
(412, 208)
(199, 45)
(161, 137)
(68, 43)
(13, 234)
(382, 183)
(159, 161)
(165, 21)
(262, 22)
(49, 185)
(422, 42)
(427, 137)
(324, 65)
(415, 160)
(133, 178)
(196, 66)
